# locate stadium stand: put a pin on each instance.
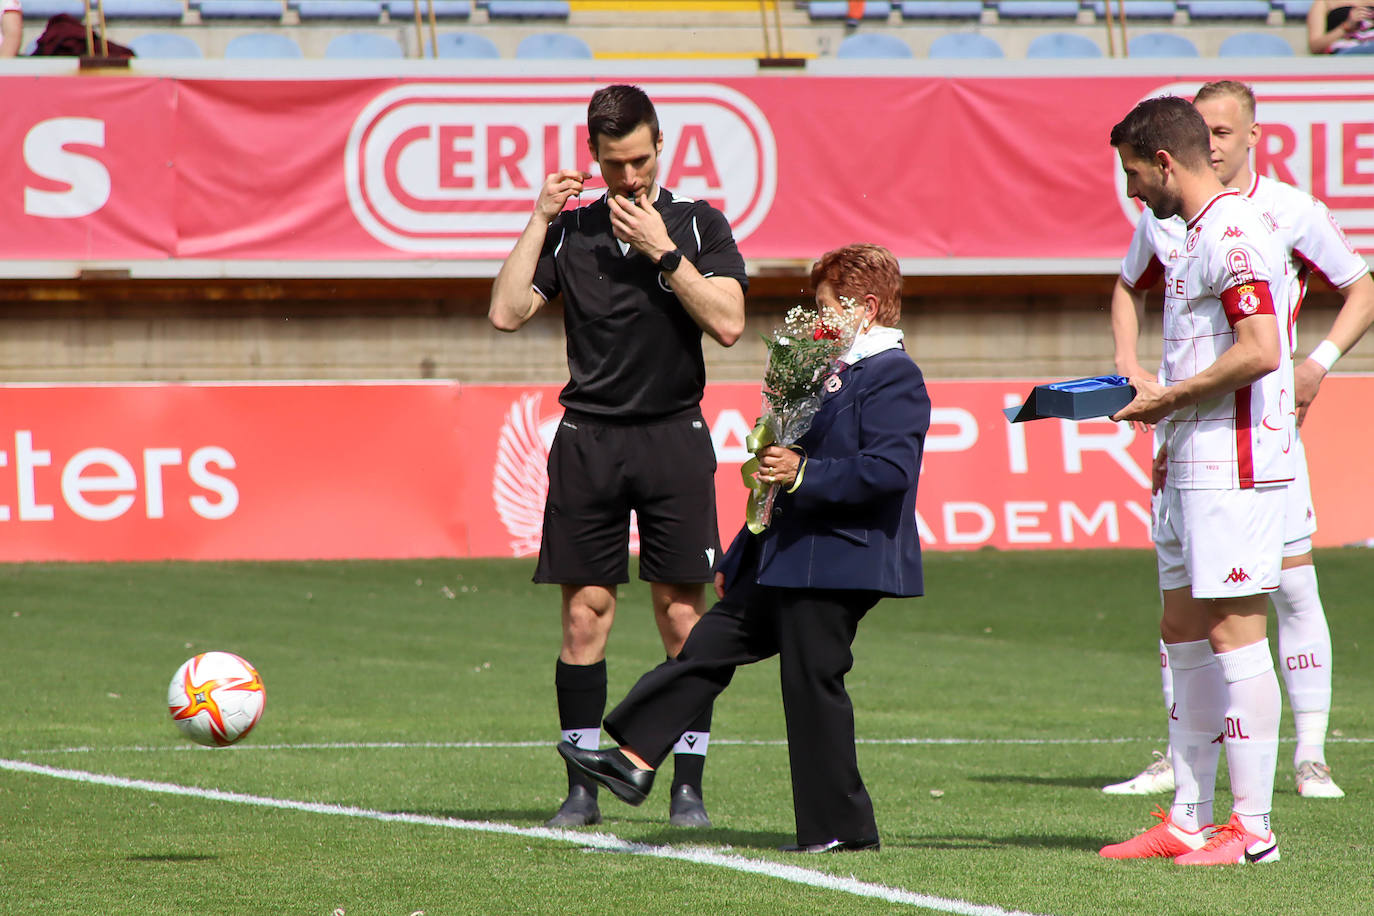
(337, 9)
(443, 9)
(239, 9)
(262, 46)
(553, 46)
(1062, 44)
(922, 10)
(364, 46)
(873, 45)
(165, 46)
(1228, 9)
(38, 10)
(1037, 9)
(1255, 44)
(467, 45)
(842, 9)
(142, 9)
(1161, 44)
(527, 9)
(1137, 9)
(965, 45)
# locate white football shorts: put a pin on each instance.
(1223, 543)
(1300, 517)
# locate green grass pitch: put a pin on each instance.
(420, 693)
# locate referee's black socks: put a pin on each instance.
(581, 691)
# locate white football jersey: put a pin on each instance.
(1232, 265)
(1314, 241)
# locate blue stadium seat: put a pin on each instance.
(443, 9)
(1228, 9)
(467, 45)
(839, 9)
(165, 46)
(527, 9)
(1161, 44)
(942, 9)
(965, 44)
(262, 46)
(553, 46)
(1255, 44)
(140, 9)
(364, 46)
(42, 10)
(1037, 9)
(239, 9)
(337, 9)
(1137, 9)
(1062, 44)
(1294, 10)
(873, 45)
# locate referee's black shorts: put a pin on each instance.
(664, 470)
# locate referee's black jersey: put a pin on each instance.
(633, 351)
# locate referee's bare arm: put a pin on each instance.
(513, 299)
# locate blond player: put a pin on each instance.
(1315, 244)
(1226, 389)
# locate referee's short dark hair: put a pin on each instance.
(616, 111)
(1166, 123)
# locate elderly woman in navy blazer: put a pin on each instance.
(843, 536)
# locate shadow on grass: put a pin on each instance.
(1068, 782)
(963, 843)
(172, 857)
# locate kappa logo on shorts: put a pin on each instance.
(1237, 576)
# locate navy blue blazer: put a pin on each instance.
(851, 524)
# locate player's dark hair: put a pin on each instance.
(1237, 90)
(1166, 123)
(855, 271)
(618, 110)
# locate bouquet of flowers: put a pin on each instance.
(802, 353)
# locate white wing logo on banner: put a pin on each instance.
(520, 480)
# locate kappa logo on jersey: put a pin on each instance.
(1233, 232)
(455, 167)
(1237, 576)
(520, 478)
(1238, 262)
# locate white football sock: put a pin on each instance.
(1195, 730)
(1305, 658)
(1252, 726)
(1166, 678)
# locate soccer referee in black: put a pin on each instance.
(642, 273)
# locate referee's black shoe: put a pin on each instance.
(611, 769)
(579, 809)
(835, 846)
(686, 809)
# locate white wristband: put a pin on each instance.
(1325, 354)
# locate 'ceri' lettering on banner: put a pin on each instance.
(455, 167)
(102, 484)
(1317, 135)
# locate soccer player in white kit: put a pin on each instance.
(1315, 243)
(1227, 383)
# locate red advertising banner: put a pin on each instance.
(330, 471)
(391, 169)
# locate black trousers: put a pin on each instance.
(811, 631)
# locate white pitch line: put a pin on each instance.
(601, 841)
(516, 745)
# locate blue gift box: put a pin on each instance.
(1075, 399)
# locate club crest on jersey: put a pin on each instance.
(1192, 240)
(1248, 302)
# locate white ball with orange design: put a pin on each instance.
(216, 698)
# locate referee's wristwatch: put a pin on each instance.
(670, 261)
